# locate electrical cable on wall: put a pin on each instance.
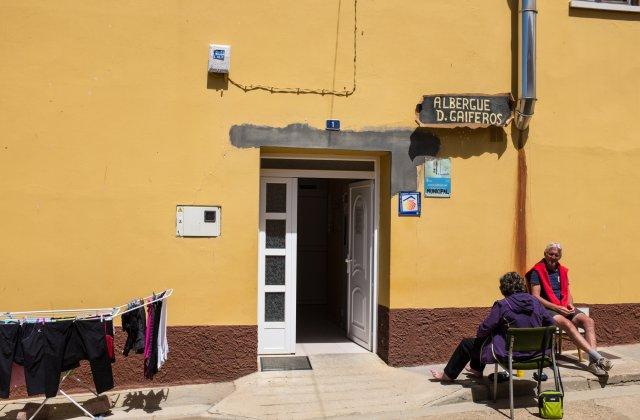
(274, 89)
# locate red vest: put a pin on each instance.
(541, 269)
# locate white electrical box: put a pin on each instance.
(198, 221)
(219, 58)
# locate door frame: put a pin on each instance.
(375, 176)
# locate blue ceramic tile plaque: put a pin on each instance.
(409, 203)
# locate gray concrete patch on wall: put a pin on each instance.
(408, 148)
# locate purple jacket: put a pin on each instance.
(520, 310)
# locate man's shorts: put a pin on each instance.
(569, 317)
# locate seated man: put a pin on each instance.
(550, 285)
(518, 310)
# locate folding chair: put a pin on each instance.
(540, 340)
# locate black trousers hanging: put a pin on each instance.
(41, 352)
(468, 351)
(48, 349)
(30, 354)
(9, 337)
(87, 342)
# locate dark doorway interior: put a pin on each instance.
(321, 268)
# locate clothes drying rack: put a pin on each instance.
(106, 314)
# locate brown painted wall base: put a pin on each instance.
(406, 337)
(383, 333)
(410, 337)
(196, 355)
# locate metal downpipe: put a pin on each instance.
(527, 14)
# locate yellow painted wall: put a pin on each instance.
(108, 120)
(582, 158)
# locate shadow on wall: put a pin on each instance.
(422, 142)
(466, 142)
(218, 82)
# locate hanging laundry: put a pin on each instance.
(36, 351)
(148, 341)
(90, 344)
(134, 324)
(9, 337)
(46, 349)
(108, 338)
(30, 354)
(163, 344)
(85, 340)
(152, 364)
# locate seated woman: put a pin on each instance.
(518, 310)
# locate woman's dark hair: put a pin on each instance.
(512, 283)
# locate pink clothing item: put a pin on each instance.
(17, 376)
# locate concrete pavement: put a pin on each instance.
(615, 402)
(361, 385)
(184, 401)
(338, 385)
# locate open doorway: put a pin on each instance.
(322, 267)
(317, 260)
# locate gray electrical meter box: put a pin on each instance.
(198, 221)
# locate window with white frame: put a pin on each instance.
(613, 5)
(628, 2)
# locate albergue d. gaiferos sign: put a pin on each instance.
(473, 110)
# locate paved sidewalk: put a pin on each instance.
(363, 385)
(615, 402)
(353, 385)
(338, 385)
(183, 401)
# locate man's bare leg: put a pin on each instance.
(583, 320)
(569, 327)
(598, 365)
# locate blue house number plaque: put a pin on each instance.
(333, 125)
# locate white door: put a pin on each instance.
(360, 262)
(277, 266)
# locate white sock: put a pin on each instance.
(594, 356)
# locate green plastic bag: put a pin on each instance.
(550, 404)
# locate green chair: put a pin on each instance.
(542, 341)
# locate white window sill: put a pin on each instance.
(581, 4)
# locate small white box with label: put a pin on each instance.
(198, 221)
(219, 58)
